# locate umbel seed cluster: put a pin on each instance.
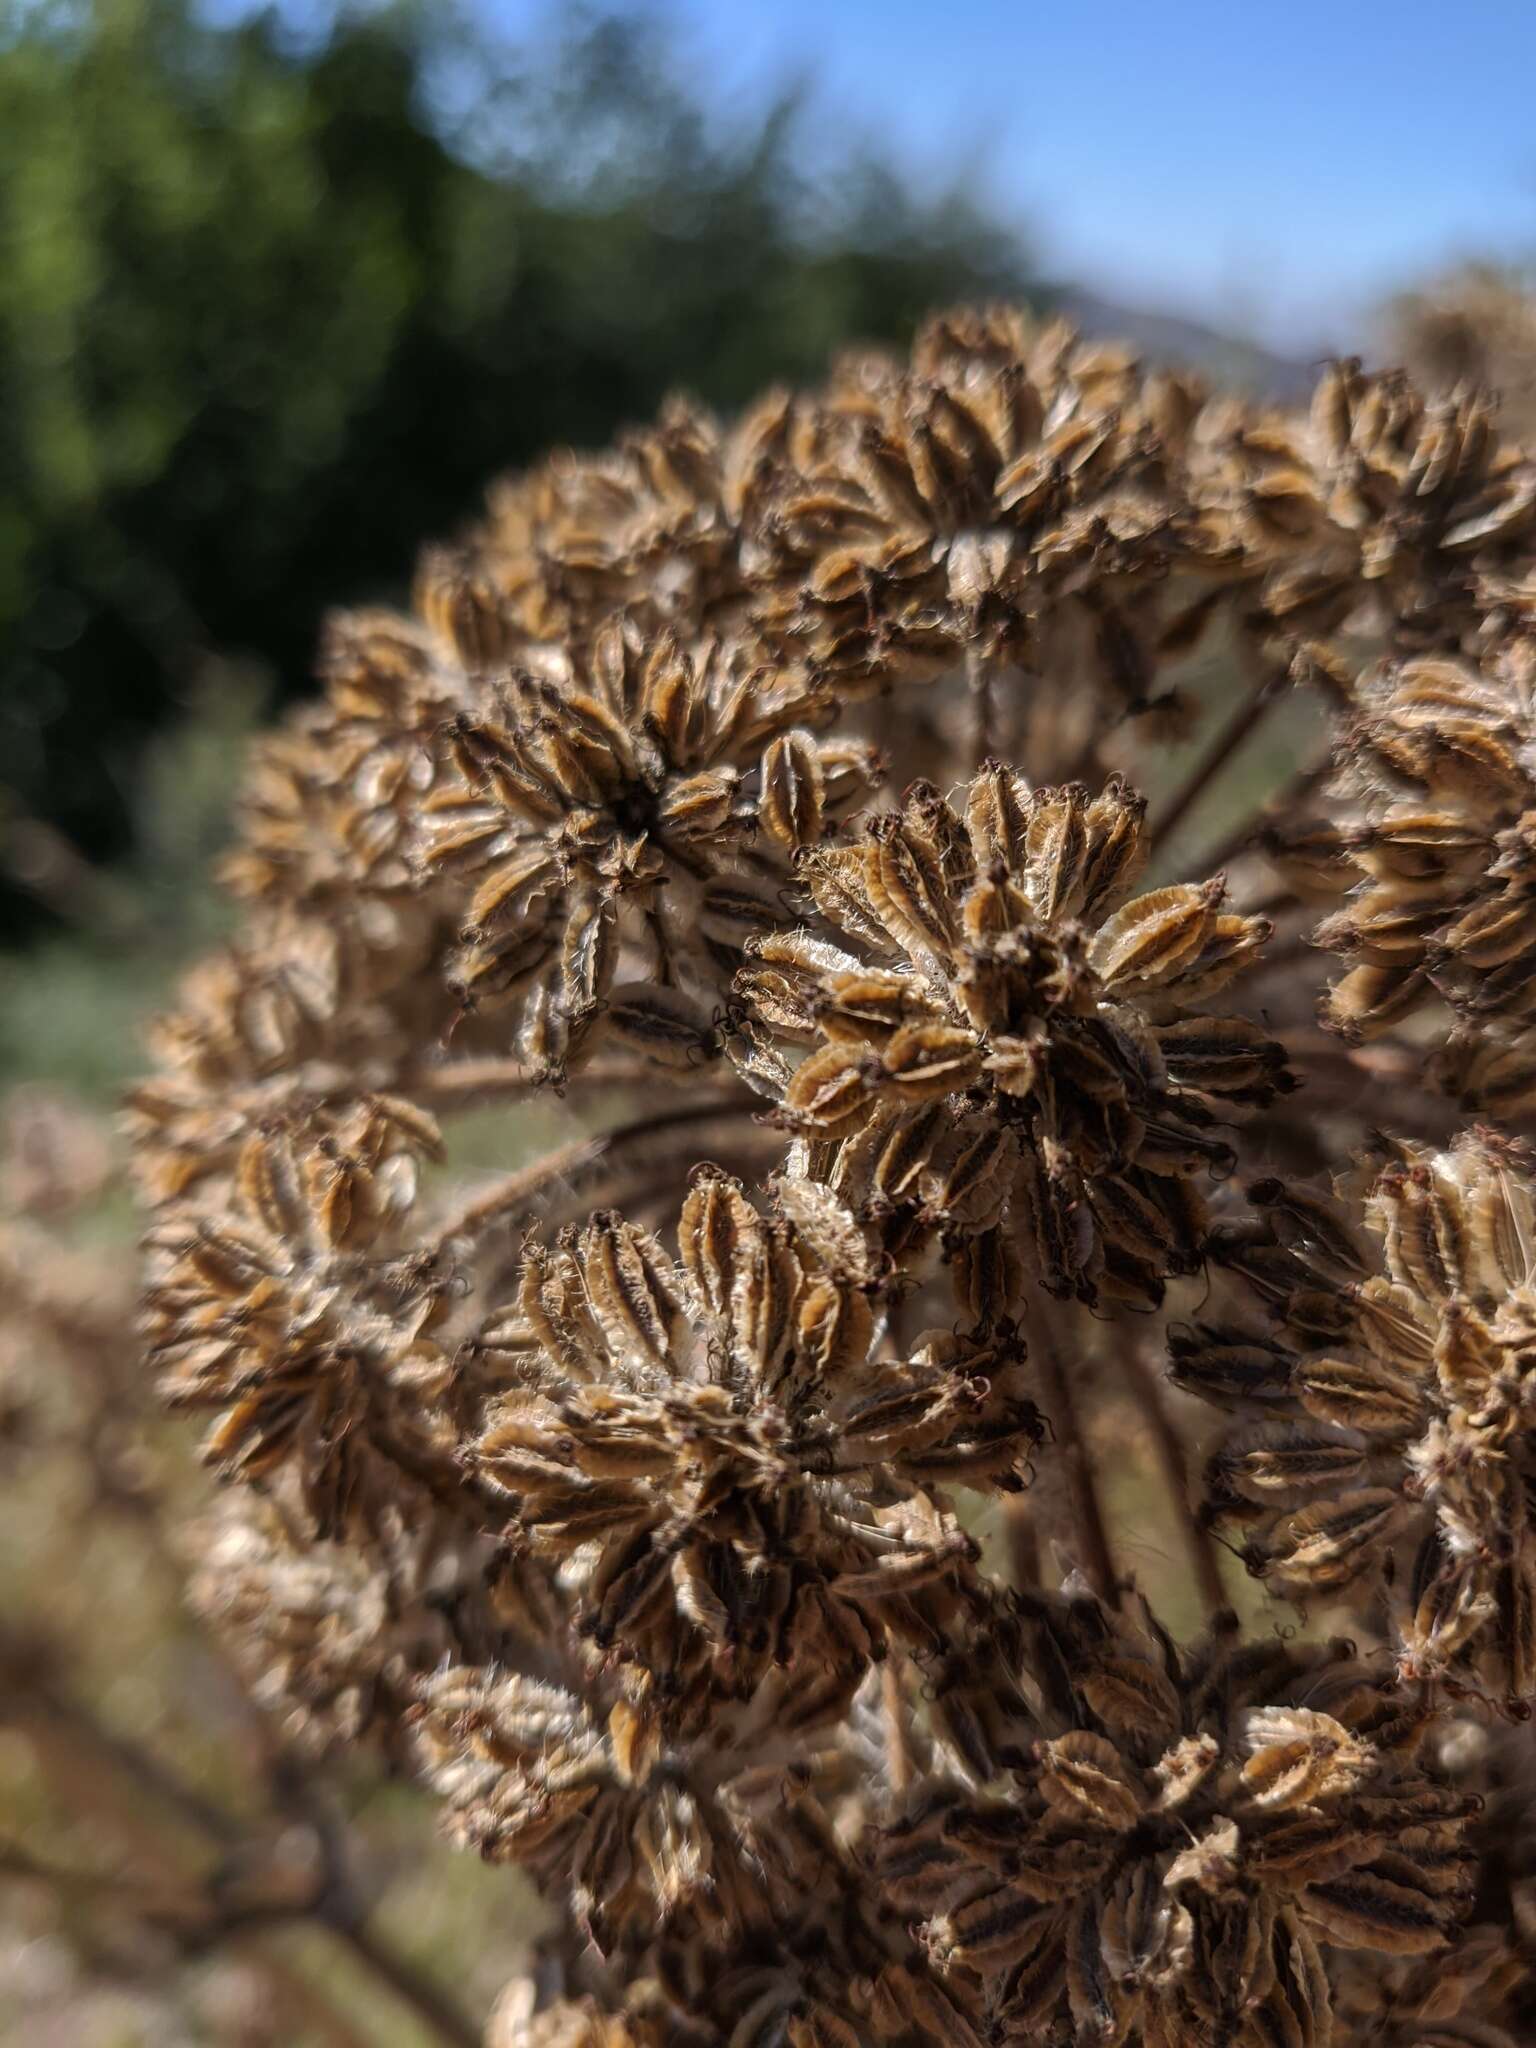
(984, 1492)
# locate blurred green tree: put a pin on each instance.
(274, 306)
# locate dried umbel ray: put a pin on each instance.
(895, 827)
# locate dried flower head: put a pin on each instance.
(1440, 864)
(305, 1323)
(722, 1445)
(627, 836)
(1182, 1840)
(335, 1641)
(660, 1517)
(1012, 493)
(1395, 1388)
(999, 1019)
(715, 1877)
(331, 805)
(650, 525)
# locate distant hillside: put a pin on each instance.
(1186, 344)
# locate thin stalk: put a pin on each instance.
(980, 682)
(19, 1861)
(461, 1082)
(519, 1193)
(301, 2000)
(1096, 1558)
(66, 1723)
(410, 1985)
(1146, 1391)
(893, 1699)
(1022, 1540)
(1243, 721)
(1285, 800)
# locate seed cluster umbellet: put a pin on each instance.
(911, 834)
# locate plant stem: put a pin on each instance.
(54, 1715)
(979, 681)
(1146, 1390)
(1224, 743)
(409, 1985)
(586, 1159)
(1023, 1542)
(898, 1757)
(458, 1083)
(1097, 1559)
(1241, 837)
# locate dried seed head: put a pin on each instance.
(994, 965)
(1413, 1421)
(708, 1446)
(1156, 1885)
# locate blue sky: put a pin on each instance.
(1277, 167)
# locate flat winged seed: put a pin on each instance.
(1361, 1393)
(1274, 1460)
(1311, 1223)
(632, 1289)
(868, 1005)
(1130, 1697)
(997, 817)
(1328, 1545)
(990, 1932)
(661, 1023)
(908, 896)
(922, 1061)
(738, 912)
(1361, 1910)
(832, 1089)
(826, 1230)
(717, 1232)
(1083, 1778)
(1089, 1986)
(1231, 1367)
(1058, 845)
(791, 805)
(1153, 937)
(1181, 1770)
(837, 878)
(972, 1187)
(1300, 1756)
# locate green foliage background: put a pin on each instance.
(277, 301)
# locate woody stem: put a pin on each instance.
(409, 1985)
(459, 1083)
(1023, 1542)
(78, 1748)
(521, 1194)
